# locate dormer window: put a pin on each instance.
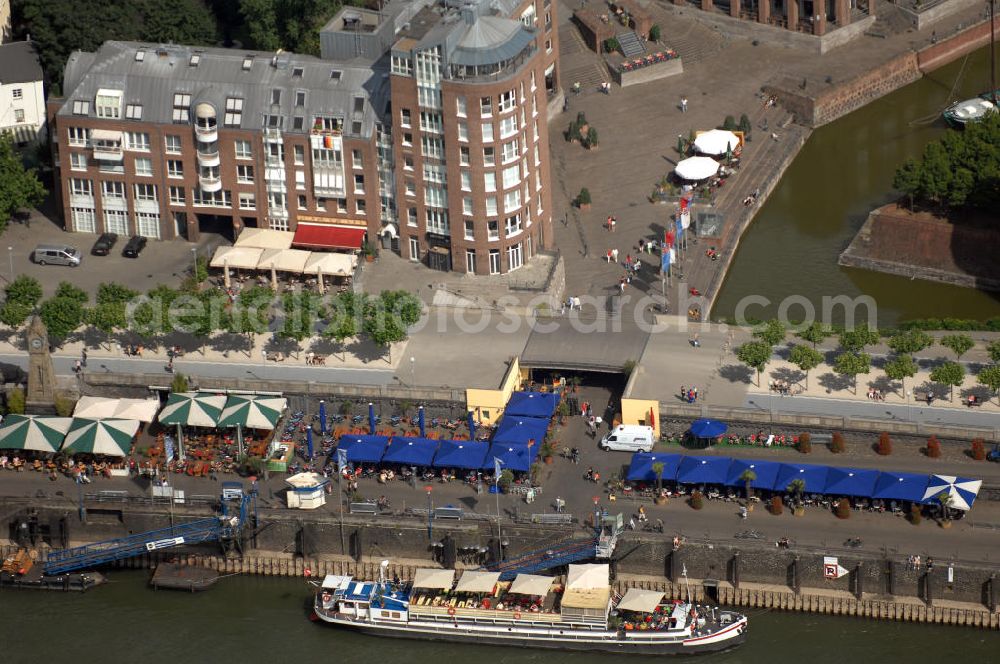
(247, 63)
(234, 112)
(182, 108)
(195, 59)
(81, 107)
(109, 104)
(140, 56)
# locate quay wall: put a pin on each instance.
(750, 573)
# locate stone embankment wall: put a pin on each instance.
(751, 573)
(948, 50)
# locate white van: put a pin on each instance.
(629, 438)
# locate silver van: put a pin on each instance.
(54, 254)
(628, 438)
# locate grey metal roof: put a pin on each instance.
(167, 69)
(19, 63)
(490, 40)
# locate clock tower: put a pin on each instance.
(41, 375)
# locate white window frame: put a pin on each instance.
(143, 167)
(77, 161)
(177, 196)
(461, 110)
(84, 220)
(244, 173)
(172, 144)
(496, 267)
(234, 112)
(133, 112)
(175, 168)
(487, 130)
(470, 230)
(248, 201)
(238, 146)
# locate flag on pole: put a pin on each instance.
(685, 219)
(496, 469)
(668, 238)
(665, 261)
(341, 460)
(679, 225)
(684, 204)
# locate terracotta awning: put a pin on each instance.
(328, 237)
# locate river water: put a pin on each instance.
(258, 619)
(846, 169)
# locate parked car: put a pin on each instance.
(56, 254)
(134, 247)
(104, 244)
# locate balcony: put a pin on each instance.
(108, 151)
(208, 158)
(210, 184)
(206, 133)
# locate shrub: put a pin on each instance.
(729, 123)
(884, 444)
(65, 405)
(15, 401)
(915, 514)
(837, 445)
(979, 449)
(697, 501)
(843, 510)
(654, 33)
(805, 443)
(777, 507)
(583, 198)
(591, 138)
(611, 45)
(933, 447)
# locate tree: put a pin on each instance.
(959, 344)
(151, 315)
(748, 477)
(772, 332)
(990, 377)
(900, 368)
(945, 500)
(289, 24)
(994, 350)
(583, 198)
(13, 314)
(837, 444)
(24, 290)
(60, 27)
(61, 315)
(884, 444)
(745, 125)
(908, 342)
(816, 333)
(19, 187)
(16, 401)
(658, 471)
(856, 339)
(344, 321)
(755, 354)
(949, 373)
(852, 364)
(729, 124)
(250, 314)
(797, 488)
(66, 289)
(301, 311)
(383, 322)
(805, 358)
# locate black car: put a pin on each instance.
(104, 244)
(134, 247)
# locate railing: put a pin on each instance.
(652, 59)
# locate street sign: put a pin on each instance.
(832, 568)
(164, 543)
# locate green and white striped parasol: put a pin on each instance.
(30, 432)
(252, 412)
(198, 409)
(108, 437)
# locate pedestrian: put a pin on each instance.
(597, 477)
(642, 514)
(628, 261)
(621, 285)
(77, 367)
(684, 104)
(614, 222)
(611, 496)
(683, 391)
(609, 222)
(590, 473)
(696, 394)
(610, 253)
(642, 245)
(83, 357)
(614, 255)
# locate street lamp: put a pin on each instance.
(413, 369)
(10, 255)
(194, 262)
(430, 514)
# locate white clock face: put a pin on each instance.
(36, 343)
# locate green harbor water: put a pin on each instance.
(255, 619)
(846, 169)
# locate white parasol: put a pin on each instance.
(716, 141)
(696, 168)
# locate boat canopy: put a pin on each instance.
(531, 584)
(477, 582)
(336, 582)
(434, 579)
(587, 586)
(644, 601)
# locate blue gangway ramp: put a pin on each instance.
(194, 532)
(564, 553)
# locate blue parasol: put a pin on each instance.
(708, 428)
(371, 418)
(472, 426)
(309, 441)
(322, 416)
(420, 421)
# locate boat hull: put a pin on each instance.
(579, 641)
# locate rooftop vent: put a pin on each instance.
(247, 63)
(195, 59)
(140, 56)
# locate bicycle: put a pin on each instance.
(749, 534)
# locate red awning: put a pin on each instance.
(328, 237)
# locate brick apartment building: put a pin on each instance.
(422, 126)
